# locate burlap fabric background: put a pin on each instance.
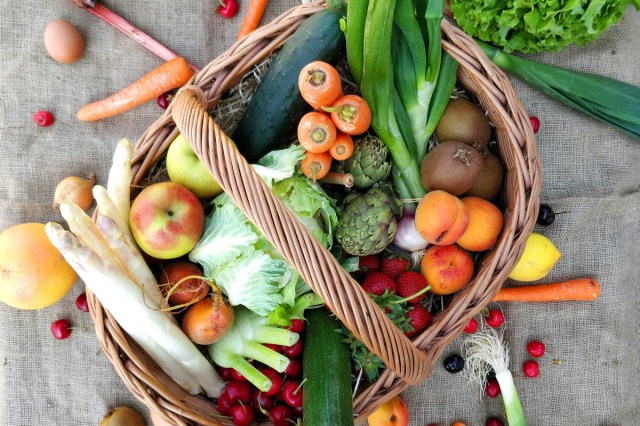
(590, 171)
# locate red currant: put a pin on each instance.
(61, 329)
(535, 348)
(492, 388)
(535, 123)
(471, 326)
(43, 118)
(531, 369)
(495, 318)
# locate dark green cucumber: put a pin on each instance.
(276, 106)
(326, 366)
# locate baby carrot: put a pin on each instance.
(316, 165)
(342, 148)
(319, 84)
(351, 114)
(252, 18)
(168, 76)
(576, 289)
(316, 132)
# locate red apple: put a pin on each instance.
(166, 220)
(192, 287)
(392, 413)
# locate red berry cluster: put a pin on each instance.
(393, 275)
(61, 328)
(281, 404)
(531, 368)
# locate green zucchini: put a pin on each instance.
(326, 364)
(273, 113)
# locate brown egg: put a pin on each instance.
(63, 41)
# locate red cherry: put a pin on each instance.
(531, 369)
(494, 421)
(226, 374)
(294, 368)
(261, 401)
(224, 404)
(535, 348)
(292, 394)
(297, 325)
(276, 380)
(228, 8)
(471, 326)
(43, 118)
(535, 123)
(165, 99)
(241, 415)
(495, 318)
(237, 376)
(293, 350)
(238, 391)
(61, 329)
(276, 348)
(81, 302)
(492, 388)
(280, 415)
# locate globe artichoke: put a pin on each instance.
(367, 222)
(368, 164)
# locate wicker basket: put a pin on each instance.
(408, 362)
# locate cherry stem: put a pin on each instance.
(295, 392)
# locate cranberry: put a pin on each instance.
(293, 350)
(294, 368)
(494, 421)
(238, 391)
(531, 369)
(535, 348)
(81, 302)
(292, 394)
(471, 326)
(297, 325)
(61, 329)
(241, 415)
(281, 415)
(495, 318)
(276, 380)
(535, 123)
(43, 118)
(492, 388)
(261, 401)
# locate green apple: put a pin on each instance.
(167, 220)
(184, 167)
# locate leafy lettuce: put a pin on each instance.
(531, 26)
(239, 258)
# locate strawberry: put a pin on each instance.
(369, 263)
(393, 265)
(376, 282)
(410, 283)
(419, 318)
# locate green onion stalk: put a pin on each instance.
(483, 352)
(611, 101)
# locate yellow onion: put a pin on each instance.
(122, 416)
(76, 189)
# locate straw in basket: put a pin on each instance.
(408, 361)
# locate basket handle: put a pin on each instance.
(320, 270)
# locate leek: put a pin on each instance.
(485, 351)
(606, 99)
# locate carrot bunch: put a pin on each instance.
(325, 133)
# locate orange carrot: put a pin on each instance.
(316, 165)
(342, 148)
(319, 84)
(168, 76)
(576, 289)
(252, 18)
(316, 132)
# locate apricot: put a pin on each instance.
(446, 268)
(485, 224)
(441, 218)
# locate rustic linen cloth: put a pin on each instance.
(590, 171)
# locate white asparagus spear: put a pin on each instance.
(126, 302)
(120, 176)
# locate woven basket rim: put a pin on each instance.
(522, 189)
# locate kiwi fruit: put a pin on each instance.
(489, 182)
(466, 122)
(451, 166)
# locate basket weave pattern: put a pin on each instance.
(408, 362)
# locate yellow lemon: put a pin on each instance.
(538, 258)
(33, 273)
